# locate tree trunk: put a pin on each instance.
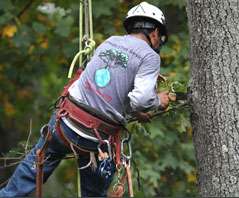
(214, 94)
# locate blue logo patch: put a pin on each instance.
(102, 77)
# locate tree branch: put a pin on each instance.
(24, 9)
(180, 106)
(26, 147)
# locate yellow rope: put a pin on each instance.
(90, 47)
(87, 50)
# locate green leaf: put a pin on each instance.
(70, 50)
(24, 37)
(166, 50)
(178, 3)
(186, 166)
(5, 5)
(6, 17)
(169, 161)
(157, 129)
(63, 27)
(39, 27)
(184, 124)
(75, 40)
(188, 150)
(102, 9)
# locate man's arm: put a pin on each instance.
(144, 117)
(143, 96)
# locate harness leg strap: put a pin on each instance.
(118, 147)
(40, 154)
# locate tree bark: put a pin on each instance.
(214, 94)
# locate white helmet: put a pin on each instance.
(146, 16)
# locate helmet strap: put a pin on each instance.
(146, 33)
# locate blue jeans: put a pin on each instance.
(23, 181)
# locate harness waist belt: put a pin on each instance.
(71, 111)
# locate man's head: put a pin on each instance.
(149, 20)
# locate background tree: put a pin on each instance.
(214, 95)
(38, 42)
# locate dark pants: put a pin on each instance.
(23, 180)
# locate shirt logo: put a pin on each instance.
(112, 59)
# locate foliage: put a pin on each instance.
(37, 47)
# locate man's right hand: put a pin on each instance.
(163, 96)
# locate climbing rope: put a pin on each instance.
(89, 43)
(87, 50)
(87, 39)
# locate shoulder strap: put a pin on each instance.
(76, 77)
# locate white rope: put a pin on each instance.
(77, 157)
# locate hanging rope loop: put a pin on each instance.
(87, 50)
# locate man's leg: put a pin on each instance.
(23, 180)
(92, 185)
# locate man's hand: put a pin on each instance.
(143, 117)
(163, 96)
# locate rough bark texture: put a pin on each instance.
(214, 94)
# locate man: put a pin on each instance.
(120, 79)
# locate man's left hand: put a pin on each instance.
(144, 117)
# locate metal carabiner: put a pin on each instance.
(109, 148)
(58, 101)
(128, 157)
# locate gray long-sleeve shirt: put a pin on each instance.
(120, 78)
